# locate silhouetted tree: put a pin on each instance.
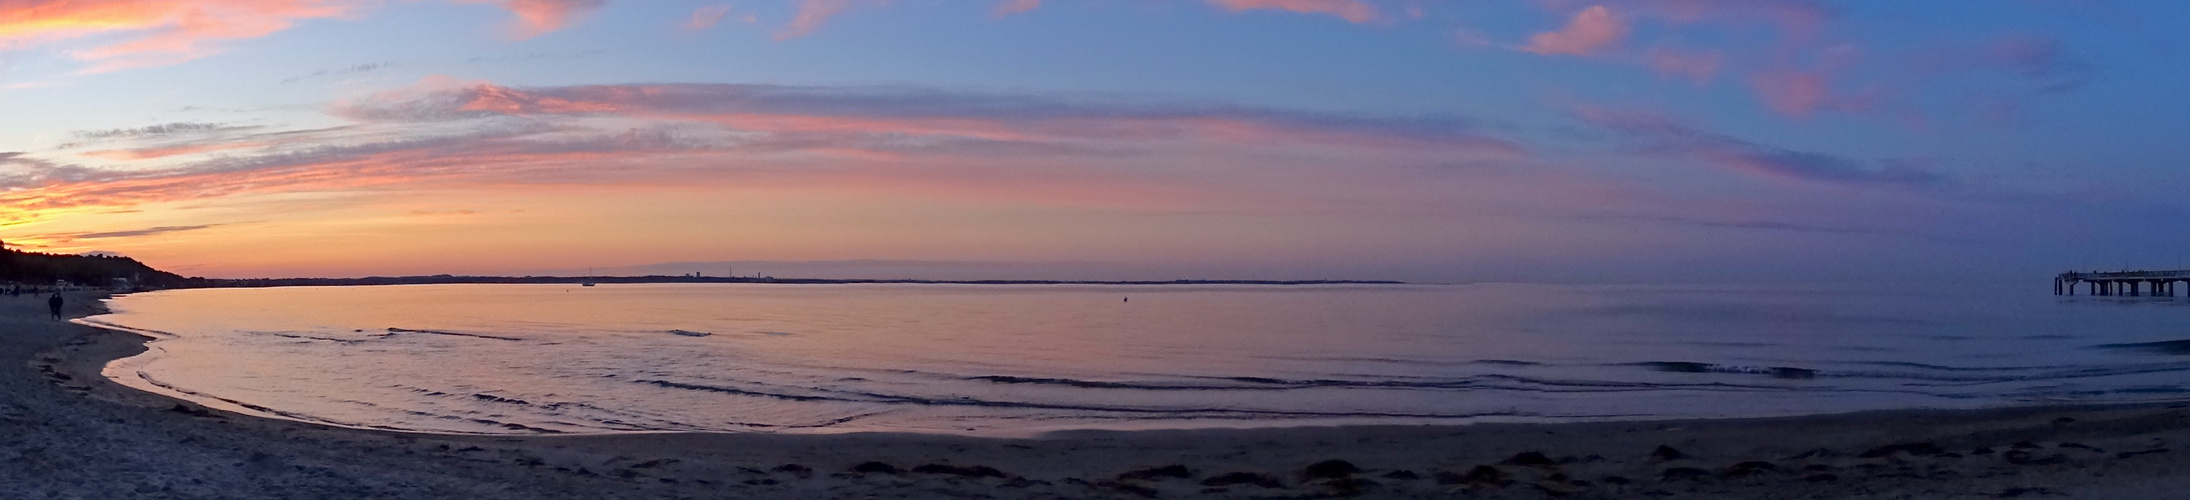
(35, 268)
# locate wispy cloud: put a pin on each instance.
(706, 17)
(1660, 135)
(539, 17)
(160, 141)
(156, 152)
(161, 130)
(2029, 56)
(153, 32)
(20, 161)
(1801, 76)
(1794, 18)
(534, 56)
(918, 112)
(1007, 8)
(1845, 78)
(133, 233)
(1698, 67)
(448, 130)
(1768, 225)
(1801, 67)
(812, 14)
(1592, 30)
(2036, 59)
(343, 71)
(1800, 93)
(1355, 11)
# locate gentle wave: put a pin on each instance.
(1914, 377)
(860, 397)
(2163, 347)
(392, 331)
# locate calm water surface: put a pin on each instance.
(1016, 360)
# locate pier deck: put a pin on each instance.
(2121, 283)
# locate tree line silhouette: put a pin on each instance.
(47, 269)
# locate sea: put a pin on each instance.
(1022, 360)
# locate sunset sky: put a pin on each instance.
(1421, 140)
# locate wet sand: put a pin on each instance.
(66, 432)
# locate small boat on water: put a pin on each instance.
(585, 283)
(689, 333)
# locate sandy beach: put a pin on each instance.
(66, 432)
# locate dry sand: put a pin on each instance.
(65, 432)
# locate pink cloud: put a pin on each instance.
(1800, 92)
(504, 100)
(1351, 10)
(706, 17)
(165, 32)
(446, 130)
(539, 17)
(1011, 7)
(1796, 18)
(1793, 93)
(1698, 67)
(853, 114)
(1591, 30)
(814, 13)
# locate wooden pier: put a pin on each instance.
(2122, 283)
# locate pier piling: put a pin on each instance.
(2123, 283)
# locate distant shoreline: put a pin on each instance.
(444, 279)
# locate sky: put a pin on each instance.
(1945, 143)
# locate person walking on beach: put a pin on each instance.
(55, 304)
